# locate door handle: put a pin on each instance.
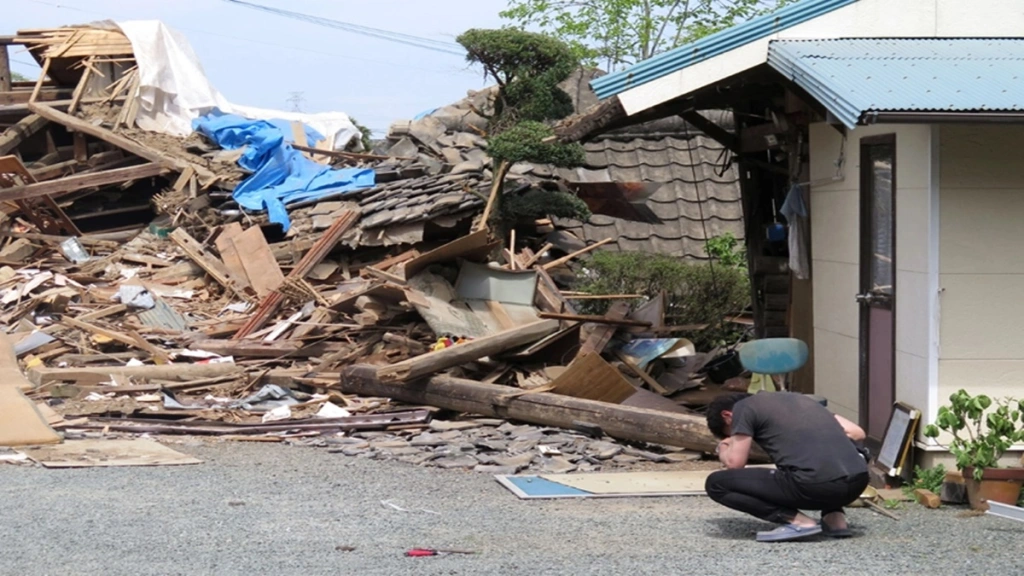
(866, 298)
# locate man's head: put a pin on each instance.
(720, 413)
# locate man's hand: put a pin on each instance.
(852, 431)
(734, 451)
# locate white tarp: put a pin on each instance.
(174, 90)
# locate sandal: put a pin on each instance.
(835, 533)
(788, 532)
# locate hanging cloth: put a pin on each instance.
(796, 213)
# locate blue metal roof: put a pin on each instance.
(712, 45)
(853, 76)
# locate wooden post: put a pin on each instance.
(5, 69)
(617, 421)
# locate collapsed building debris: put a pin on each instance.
(154, 282)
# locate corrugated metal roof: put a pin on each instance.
(713, 45)
(853, 76)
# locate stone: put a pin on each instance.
(351, 442)
(557, 465)
(492, 422)
(467, 166)
(446, 140)
(535, 435)
(404, 148)
(349, 451)
(491, 445)
(682, 457)
(431, 165)
(427, 130)
(604, 450)
(645, 455)
(452, 155)
(427, 439)
(451, 462)
(449, 425)
(520, 446)
(467, 140)
(451, 435)
(478, 155)
(383, 444)
(495, 469)
(371, 435)
(418, 459)
(520, 460)
(622, 459)
(407, 451)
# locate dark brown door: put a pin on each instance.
(877, 296)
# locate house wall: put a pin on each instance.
(835, 241)
(861, 19)
(982, 260)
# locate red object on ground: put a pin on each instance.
(417, 552)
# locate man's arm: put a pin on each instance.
(734, 451)
(853, 432)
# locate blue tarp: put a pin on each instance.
(280, 174)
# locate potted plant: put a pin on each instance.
(980, 438)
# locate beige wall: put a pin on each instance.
(982, 259)
(835, 214)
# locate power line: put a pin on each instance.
(407, 39)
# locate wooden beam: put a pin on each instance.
(471, 351)
(208, 262)
(16, 134)
(714, 131)
(575, 254)
(596, 319)
(122, 142)
(94, 374)
(81, 182)
(5, 69)
(615, 420)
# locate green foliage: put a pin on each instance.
(525, 142)
(617, 33)
(929, 479)
(725, 248)
(980, 436)
(892, 504)
(364, 134)
(527, 68)
(537, 203)
(697, 293)
(19, 77)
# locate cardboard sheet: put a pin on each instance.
(608, 485)
(21, 424)
(107, 452)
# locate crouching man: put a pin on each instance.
(818, 466)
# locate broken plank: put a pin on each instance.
(599, 338)
(81, 182)
(17, 133)
(575, 254)
(208, 262)
(595, 319)
(96, 374)
(432, 362)
(229, 254)
(134, 341)
(642, 374)
(123, 142)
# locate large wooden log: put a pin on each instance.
(623, 422)
(94, 374)
(81, 182)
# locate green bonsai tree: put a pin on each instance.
(527, 69)
(980, 438)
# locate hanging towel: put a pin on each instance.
(796, 213)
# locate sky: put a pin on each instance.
(260, 59)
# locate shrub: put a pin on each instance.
(697, 293)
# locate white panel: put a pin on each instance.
(835, 233)
(982, 231)
(912, 380)
(863, 19)
(827, 144)
(997, 378)
(836, 372)
(912, 313)
(835, 297)
(982, 156)
(913, 219)
(913, 153)
(982, 316)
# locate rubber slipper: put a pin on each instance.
(788, 532)
(833, 533)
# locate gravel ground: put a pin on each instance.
(271, 509)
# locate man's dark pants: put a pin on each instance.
(774, 495)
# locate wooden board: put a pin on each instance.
(228, 253)
(107, 452)
(260, 266)
(591, 378)
(637, 483)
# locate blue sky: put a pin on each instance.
(259, 59)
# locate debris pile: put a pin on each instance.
(201, 285)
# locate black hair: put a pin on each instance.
(721, 403)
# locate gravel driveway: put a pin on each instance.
(258, 509)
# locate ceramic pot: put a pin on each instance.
(997, 484)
